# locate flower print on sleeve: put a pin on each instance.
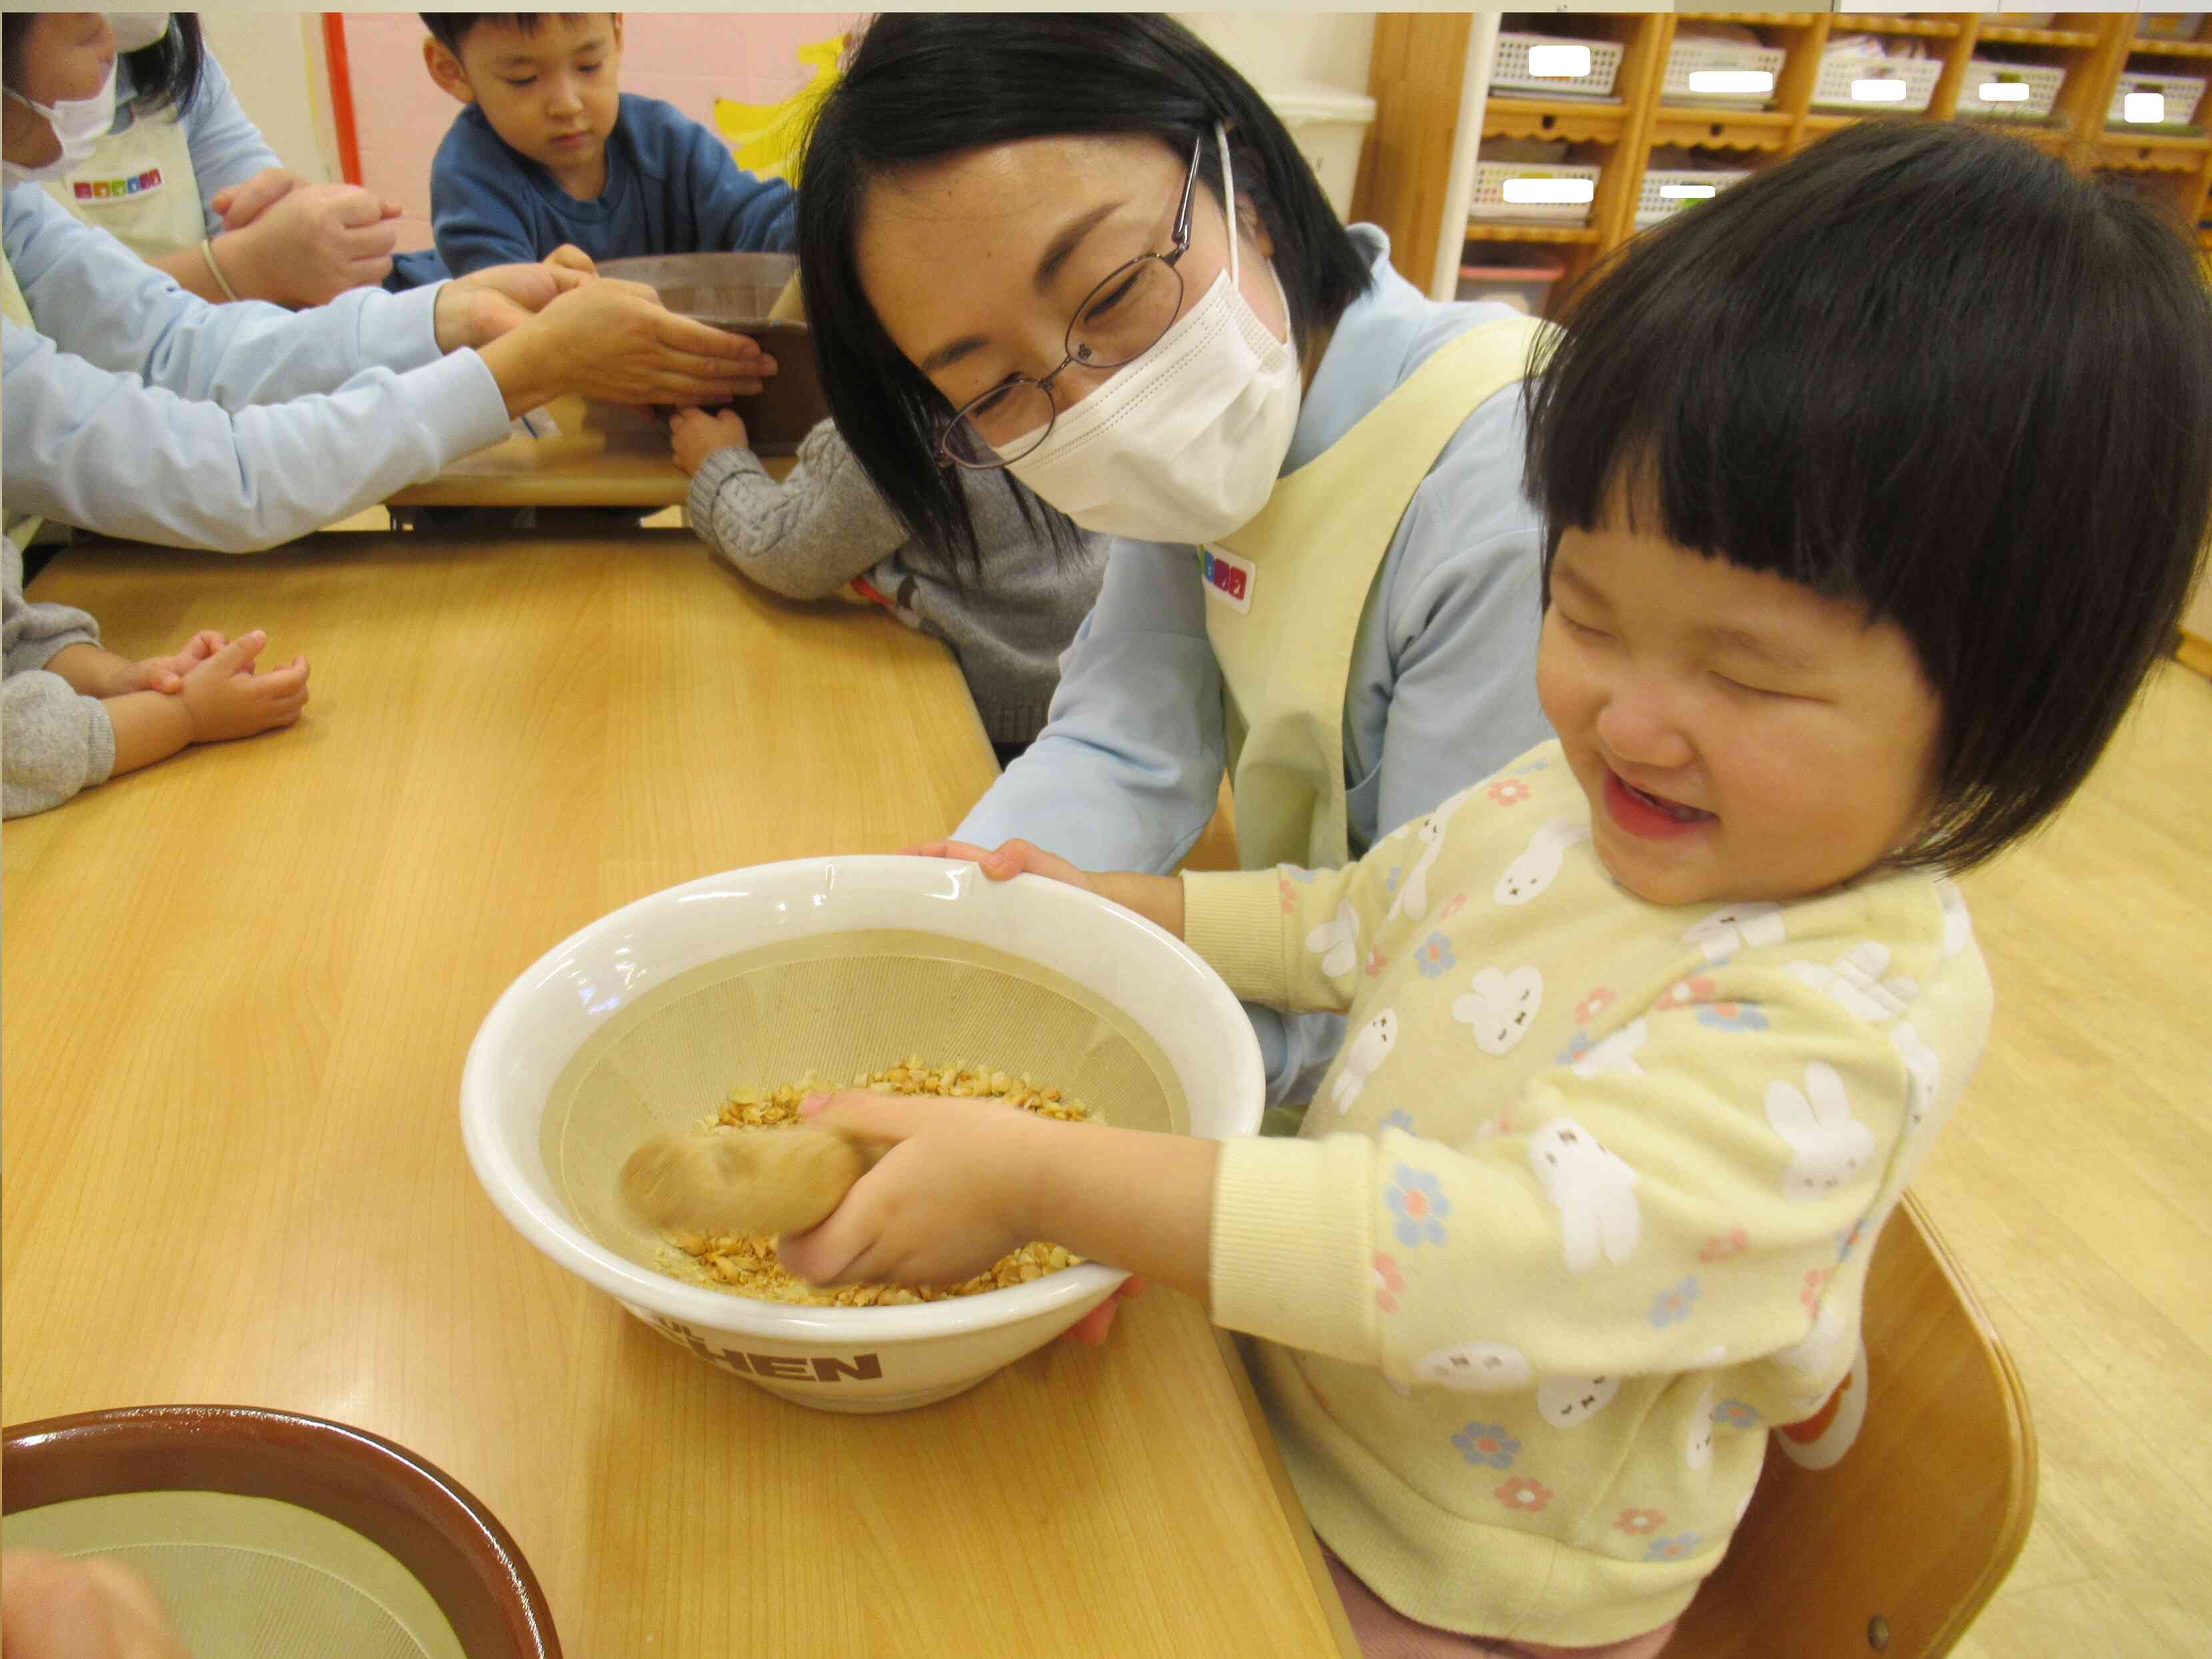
(1417, 1199)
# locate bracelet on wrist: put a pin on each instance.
(207, 252)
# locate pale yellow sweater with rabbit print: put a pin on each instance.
(1584, 1205)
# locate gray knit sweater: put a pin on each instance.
(825, 527)
(54, 741)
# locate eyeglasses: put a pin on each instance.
(1119, 321)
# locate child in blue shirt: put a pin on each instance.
(550, 150)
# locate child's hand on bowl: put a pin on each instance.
(695, 434)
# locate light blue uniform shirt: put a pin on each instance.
(136, 409)
(1442, 685)
(227, 148)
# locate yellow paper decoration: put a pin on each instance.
(764, 137)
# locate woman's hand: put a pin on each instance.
(52, 1606)
(694, 435)
(485, 305)
(1007, 860)
(308, 244)
(1158, 899)
(615, 341)
(949, 1199)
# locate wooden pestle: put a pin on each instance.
(743, 1182)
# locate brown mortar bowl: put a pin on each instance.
(435, 1527)
(734, 291)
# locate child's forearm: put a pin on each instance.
(149, 727)
(86, 667)
(1158, 899)
(1138, 1200)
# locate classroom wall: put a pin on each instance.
(275, 63)
(691, 58)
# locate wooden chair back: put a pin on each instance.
(1896, 1548)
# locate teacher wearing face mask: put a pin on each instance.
(1083, 252)
(181, 176)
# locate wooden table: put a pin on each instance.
(239, 987)
(599, 455)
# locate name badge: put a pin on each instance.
(1229, 579)
(94, 193)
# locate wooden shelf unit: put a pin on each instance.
(1427, 91)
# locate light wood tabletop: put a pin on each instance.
(595, 455)
(239, 987)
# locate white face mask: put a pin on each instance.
(78, 123)
(1185, 443)
(134, 30)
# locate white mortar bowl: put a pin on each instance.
(854, 1359)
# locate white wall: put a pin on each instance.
(1329, 48)
(275, 63)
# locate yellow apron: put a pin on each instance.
(139, 186)
(20, 527)
(1286, 592)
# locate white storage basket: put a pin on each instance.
(1691, 57)
(1654, 204)
(1832, 88)
(1508, 68)
(1490, 201)
(2182, 93)
(2041, 80)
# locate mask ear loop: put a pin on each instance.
(1228, 196)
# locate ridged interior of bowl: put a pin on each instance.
(834, 1005)
(251, 1577)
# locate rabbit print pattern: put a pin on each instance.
(1501, 1007)
(1594, 1192)
(1735, 927)
(1362, 1056)
(1476, 1368)
(1337, 942)
(1412, 900)
(1827, 1144)
(1532, 872)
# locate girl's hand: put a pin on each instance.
(949, 1199)
(696, 435)
(227, 699)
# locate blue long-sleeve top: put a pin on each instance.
(1443, 685)
(672, 187)
(135, 409)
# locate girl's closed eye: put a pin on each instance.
(1582, 630)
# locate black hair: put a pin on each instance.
(164, 74)
(450, 28)
(1932, 370)
(167, 74)
(919, 86)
